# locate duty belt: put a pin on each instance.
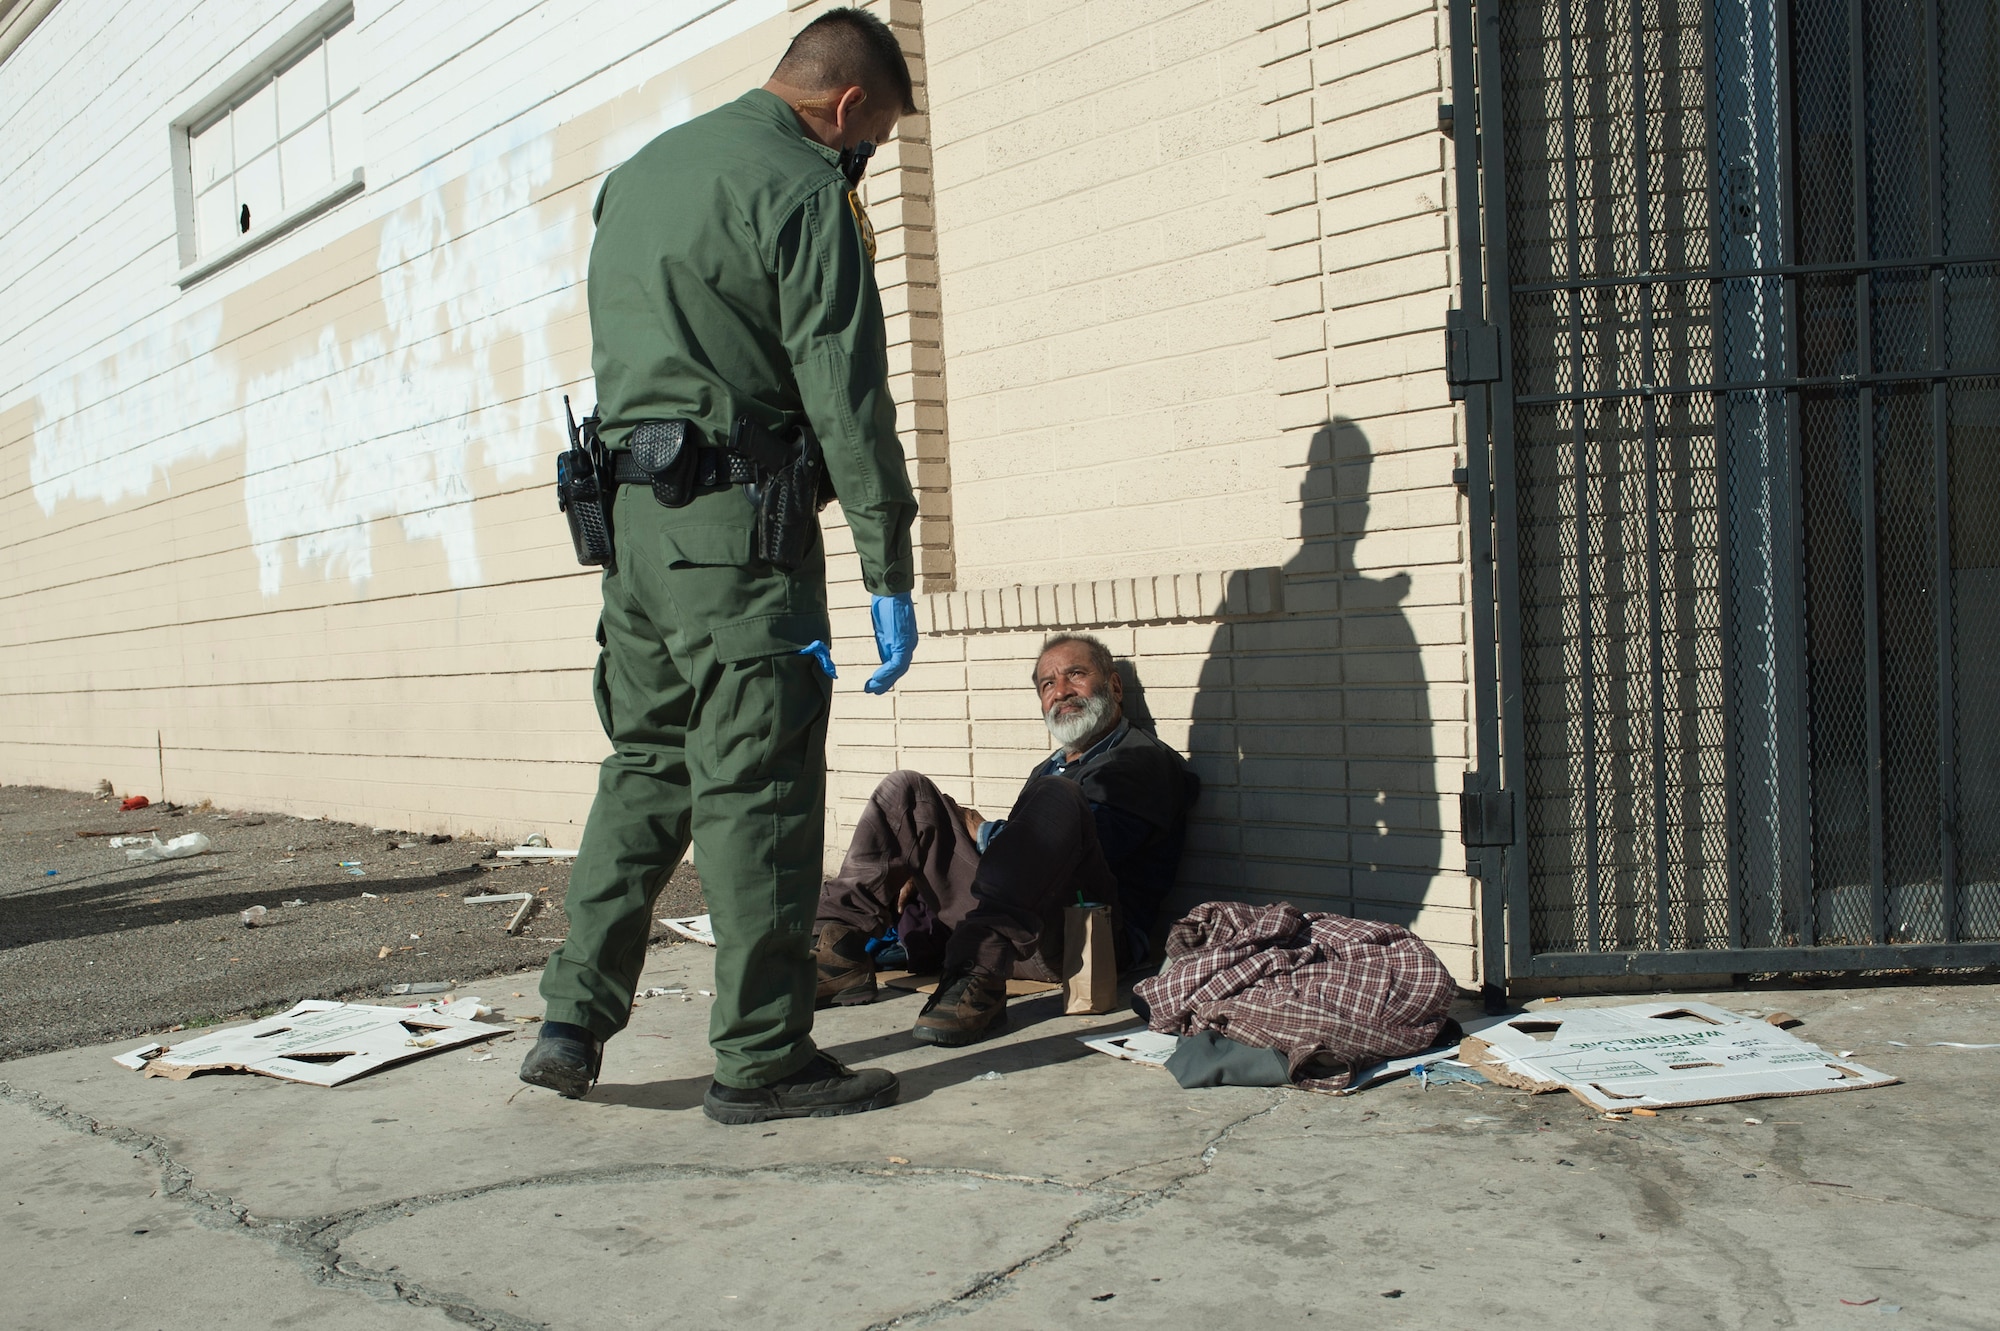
(714, 468)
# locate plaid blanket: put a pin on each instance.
(1322, 989)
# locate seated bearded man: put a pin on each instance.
(1100, 821)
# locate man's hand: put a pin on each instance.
(974, 820)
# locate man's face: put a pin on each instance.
(1078, 699)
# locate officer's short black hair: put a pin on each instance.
(843, 47)
(1100, 655)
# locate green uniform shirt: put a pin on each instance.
(730, 274)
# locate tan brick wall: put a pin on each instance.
(1194, 269)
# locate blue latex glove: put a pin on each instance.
(821, 653)
(895, 638)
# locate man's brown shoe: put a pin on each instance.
(967, 1007)
(846, 972)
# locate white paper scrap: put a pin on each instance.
(1135, 1045)
(700, 928)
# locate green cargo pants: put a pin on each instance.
(718, 728)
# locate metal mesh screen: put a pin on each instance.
(1752, 276)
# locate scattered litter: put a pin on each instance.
(1659, 1054)
(317, 1042)
(133, 802)
(370, 896)
(899, 1160)
(1647, 1113)
(659, 992)
(1946, 1044)
(254, 917)
(1861, 1303)
(1483, 1118)
(988, 1076)
(298, 902)
(537, 841)
(521, 915)
(1784, 1021)
(104, 789)
(152, 850)
(1392, 1293)
(700, 928)
(536, 853)
(416, 938)
(428, 987)
(50, 873)
(498, 896)
(706, 993)
(483, 1058)
(1137, 1044)
(1753, 1122)
(383, 955)
(1102, 1298)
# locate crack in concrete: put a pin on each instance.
(992, 1283)
(314, 1242)
(293, 1239)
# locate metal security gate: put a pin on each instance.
(1729, 344)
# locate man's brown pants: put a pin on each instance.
(1004, 908)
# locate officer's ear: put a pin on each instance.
(846, 109)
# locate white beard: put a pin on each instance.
(1083, 722)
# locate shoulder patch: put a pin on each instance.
(861, 220)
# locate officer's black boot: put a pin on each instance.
(822, 1088)
(565, 1059)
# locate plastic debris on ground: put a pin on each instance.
(319, 1043)
(1942, 1044)
(1658, 1054)
(151, 850)
(254, 917)
(134, 802)
(700, 928)
(536, 848)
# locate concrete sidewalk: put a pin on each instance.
(1045, 1186)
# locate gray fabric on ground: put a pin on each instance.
(1208, 1059)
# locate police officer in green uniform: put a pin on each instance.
(732, 285)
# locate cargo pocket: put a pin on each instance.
(770, 704)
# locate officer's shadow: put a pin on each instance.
(950, 1067)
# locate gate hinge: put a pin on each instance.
(1485, 817)
(1472, 353)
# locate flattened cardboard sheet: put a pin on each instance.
(318, 1043)
(1650, 1055)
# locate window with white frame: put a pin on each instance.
(285, 144)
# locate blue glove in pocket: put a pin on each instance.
(821, 653)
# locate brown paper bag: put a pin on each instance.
(1090, 963)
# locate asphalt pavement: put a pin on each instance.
(93, 948)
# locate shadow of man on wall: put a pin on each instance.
(1313, 729)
